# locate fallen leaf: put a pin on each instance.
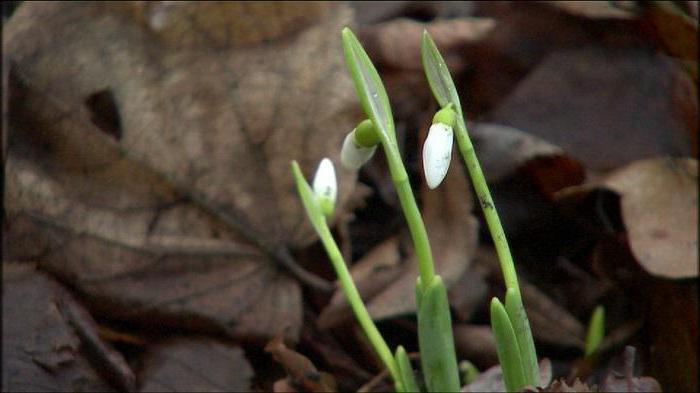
(150, 149)
(396, 43)
(195, 365)
(592, 9)
(671, 309)
(550, 322)
(301, 371)
(677, 31)
(386, 276)
(560, 386)
(491, 380)
(504, 151)
(468, 294)
(659, 205)
(627, 382)
(42, 351)
(596, 104)
(476, 344)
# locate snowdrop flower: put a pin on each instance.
(325, 187)
(437, 150)
(359, 146)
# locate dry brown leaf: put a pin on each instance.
(627, 382)
(677, 31)
(550, 322)
(592, 9)
(659, 204)
(301, 372)
(195, 365)
(503, 150)
(476, 343)
(491, 380)
(42, 350)
(560, 386)
(396, 43)
(596, 104)
(386, 279)
(671, 309)
(149, 159)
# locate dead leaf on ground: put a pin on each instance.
(597, 104)
(41, 349)
(561, 386)
(659, 209)
(504, 151)
(677, 31)
(302, 374)
(672, 329)
(592, 9)
(150, 150)
(386, 276)
(627, 382)
(396, 43)
(659, 205)
(491, 380)
(476, 344)
(550, 322)
(195, 365)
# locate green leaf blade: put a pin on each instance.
(408, 380)
(523, 335)
(507, 348)
(369, 86)
(596, 331)
(437, 350)
(438, 75)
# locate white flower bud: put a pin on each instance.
(437, 153)
(352, 155)
(325, 186)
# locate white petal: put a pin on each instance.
(353, 156)
(437, 152)
(325, 186)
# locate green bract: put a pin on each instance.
(596, 331)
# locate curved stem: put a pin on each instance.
(482, 191)
(356, 303)
(419, 235)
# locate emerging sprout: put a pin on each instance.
(325, 187)
(437, 150)
(359, 146)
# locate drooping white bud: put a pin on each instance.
(325, 186)
(437, 153)
(352, 155)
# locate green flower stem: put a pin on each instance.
(372, 94)
(416, 227)
(356, 303)
(319, 223)
(482, 191)
(444, 90)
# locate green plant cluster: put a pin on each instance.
(511, 328)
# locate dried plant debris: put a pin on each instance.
(595, 103)
(491, 380)
(626, 381)
(194, 365)
(47, 337)
(659, 205)
(658, 200)
(302, 374)
(396, 44)
(150, 148)
(386, 276)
